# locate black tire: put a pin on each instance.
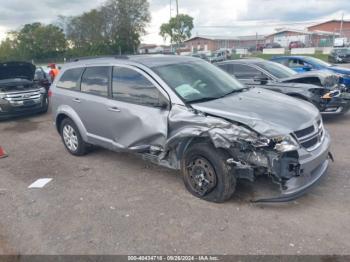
(81, 147)
(46, 106)
(221, 185)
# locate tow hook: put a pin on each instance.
(330, 156)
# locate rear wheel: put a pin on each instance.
(72, 139)
(206, 174)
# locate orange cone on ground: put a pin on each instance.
(2, 153)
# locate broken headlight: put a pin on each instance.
(285, 144)
(261, 142)
(331, 94)
(280, 144)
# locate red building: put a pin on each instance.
(213, 43)
(334, 26)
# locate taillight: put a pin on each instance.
(49, 93)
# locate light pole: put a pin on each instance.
(177, 7)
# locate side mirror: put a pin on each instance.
(163, 103)
(261, 79)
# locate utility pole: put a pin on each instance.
(177, 7)
(171, 41)
(341, 25)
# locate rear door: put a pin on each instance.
(137, 119)
(67, 90)
(91, 103)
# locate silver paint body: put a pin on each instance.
(122, 126)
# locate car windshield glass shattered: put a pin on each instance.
(277, 70)
(198, 81)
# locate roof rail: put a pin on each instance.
(96, 57)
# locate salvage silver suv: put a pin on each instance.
(189, 115)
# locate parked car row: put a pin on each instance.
(216, 123)
(320, 88)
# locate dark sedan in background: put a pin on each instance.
(319, 88)
(307, 63)
(20, 93)
(339, 55)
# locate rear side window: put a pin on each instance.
(282, 61)
(245, 71)
(131, 86)
(70, 79)
(95, 80)
(228, 68)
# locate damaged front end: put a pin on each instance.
(295, 162)
(335, 102)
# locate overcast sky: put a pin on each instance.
(211, 17)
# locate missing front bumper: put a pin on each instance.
(297, 186)
(313, 166)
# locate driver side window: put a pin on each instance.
(130, 86)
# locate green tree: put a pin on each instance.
(114, 27)
(178, 29)
(34, 41)
(8, 50)
(128, 20)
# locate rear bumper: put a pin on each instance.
(313, 166)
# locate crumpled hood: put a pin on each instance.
(11, 70)
(268, 113)
(284, 83)
(326, 77)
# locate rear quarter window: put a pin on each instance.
(70, 79)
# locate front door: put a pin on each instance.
(137, 110)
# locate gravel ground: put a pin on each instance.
(113, 203)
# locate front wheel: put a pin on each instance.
(206, 174)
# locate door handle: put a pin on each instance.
(77, 100)
(114, 109)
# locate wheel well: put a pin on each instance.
(184, 145)
(59, 120)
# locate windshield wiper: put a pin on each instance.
(236, 91)
(203, 99)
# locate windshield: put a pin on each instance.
(277, 70)
(316, 61)
(343, 51)
(198, 81)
